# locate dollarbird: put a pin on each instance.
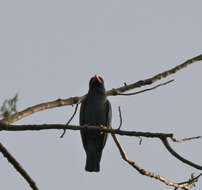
(96, 111)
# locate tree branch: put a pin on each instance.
(148, 89)
(18, 167)
(112, 92)
(176, 155)
(162, 136)
(155, 78)
(189, 185)
(43, 106)
(185, 139)
(70, 120)
(4, 127)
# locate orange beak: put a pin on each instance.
(98, 79)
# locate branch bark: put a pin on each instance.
(145, 90)
(18, 167)
(189, 185)
(4, 127)
(112, 92)
(162, 136)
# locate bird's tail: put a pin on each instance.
(93, 160)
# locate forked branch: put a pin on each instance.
(176, 155)
(190, 183)
(162, 136)
(112, 92)
(69, 120)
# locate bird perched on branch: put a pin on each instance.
(95, 110)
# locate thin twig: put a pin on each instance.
(70, 120)
(191, 180)
(147, 173)
(155, 78)
(112, 92)
(120, 116)
(148, 89)
(185, 139)
(140, 140)
(18, 167)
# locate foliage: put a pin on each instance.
(9, 107)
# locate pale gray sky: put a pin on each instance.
(50, 49)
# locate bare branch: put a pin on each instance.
(153, 79)
(18, 167)
(112, 92)
(162, 136)
(70, 120)
(4, 127)
(185, 139)
(176, 155)
(148, 89)
(147, 173)
(43, 106)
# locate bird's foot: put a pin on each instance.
(102, 127)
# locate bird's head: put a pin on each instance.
(97, 83)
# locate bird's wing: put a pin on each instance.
(109, 114)
(108, 122)
(82, 122)
(82, 113)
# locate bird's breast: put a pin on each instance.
(95, 113)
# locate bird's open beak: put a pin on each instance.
(98, 79)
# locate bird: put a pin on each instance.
(95, 110)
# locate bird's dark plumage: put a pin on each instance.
(95, 110)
